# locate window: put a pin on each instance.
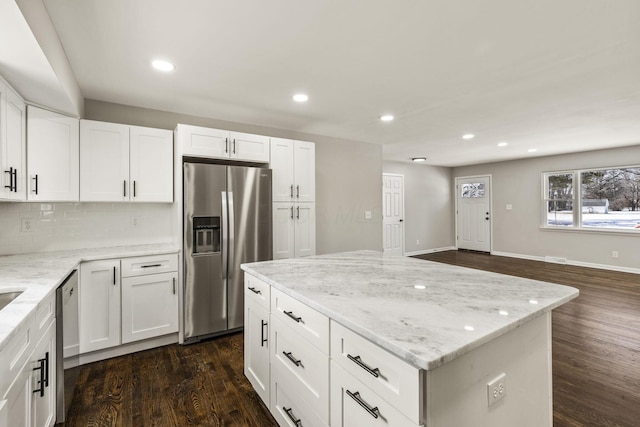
(473, 190)
(607, 198)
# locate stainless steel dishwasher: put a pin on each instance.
(66, 336)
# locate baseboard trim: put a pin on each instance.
(121, 350)
(571, 262)
(430, 251)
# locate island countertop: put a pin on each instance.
(424, 312)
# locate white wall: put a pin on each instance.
(518, 231)
(428, 202)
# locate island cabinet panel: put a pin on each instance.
(391, 378)
(305, 321)
(257, 368)
(353, 404)
(304, 367)
(289, 409)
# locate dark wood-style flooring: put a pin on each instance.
(596, 363)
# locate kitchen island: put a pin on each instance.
(399, 341)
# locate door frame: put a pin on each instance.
(455, 211)
(404, 212)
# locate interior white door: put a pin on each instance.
(393, 208)
(473, 213)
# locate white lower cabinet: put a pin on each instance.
(122, 301)
(354, 405)
(256, 348)
(294, 230)
(149, 306)
(31, 399)
(288, 408)
(99, 305)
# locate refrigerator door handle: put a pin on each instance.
(224, 247)
(230, 235)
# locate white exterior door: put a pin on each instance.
(473, 213)
(393, 208)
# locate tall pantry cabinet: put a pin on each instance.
(294, 224)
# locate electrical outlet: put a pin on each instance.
(134, 221)
(614, 254)
(417, 242)
(496, 389)
(26, 225)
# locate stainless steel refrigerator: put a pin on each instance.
(227, 222)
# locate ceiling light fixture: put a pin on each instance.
(468, 136)
(162, 65)
(301, 97)
(419, 159)
(532, 150)
(386, 118)
(502, 144)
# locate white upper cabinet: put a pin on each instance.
(196, 141)
(104, 161)
(151, 164)
(125, 163)
(293, 165)
(52, 156)
(12, 144)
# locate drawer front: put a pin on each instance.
(307, 322)
(393, 379)
(140, 266)
(288, 409)
(15, 354)
(355, 405)
(306, 367)
(257, 291)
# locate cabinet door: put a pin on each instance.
(18, 397)
(151, 168)
(52, 156)
(13, 125)
(104, 161)
(283, 231)
(43, 404)
(149, 306)
(282, 170)
(305, 229)
(99, 307)
(203, 142)
(304, 160)
(256, 348)
(246, 146)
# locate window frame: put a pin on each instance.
(577, 201)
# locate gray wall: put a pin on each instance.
(518, 231)
(348, 174)
(428, 202)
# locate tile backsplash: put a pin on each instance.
(39, 227)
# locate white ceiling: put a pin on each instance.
(558, 76)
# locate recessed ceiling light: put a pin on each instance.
(162, 65)
(386, 118)
(419, 159)
(468, 136)
(301, 97)
(502, 144)
(532, 150)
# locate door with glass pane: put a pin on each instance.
(473, 213)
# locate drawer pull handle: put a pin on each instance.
(289, 412)
(293, 359)
(151, 265)
(255, 291)
(374, 412)
(358, 361)
(293, 316)
(262, 337)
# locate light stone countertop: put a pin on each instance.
(427, 313)
(39, 274)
